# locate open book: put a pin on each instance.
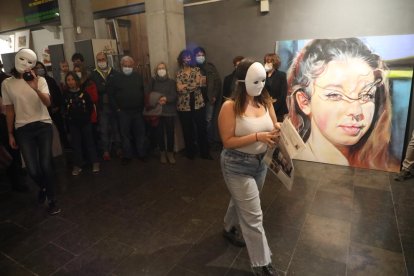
(279, 158)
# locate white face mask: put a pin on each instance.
(162, 73)
(127, 70)
(255, 79)
(79, 74)
(268, 67)
(25, 60)
(102, 65)
(200, 59)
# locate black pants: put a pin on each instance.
(189, 120)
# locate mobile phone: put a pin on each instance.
(27, 76)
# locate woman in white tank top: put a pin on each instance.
(247, 125)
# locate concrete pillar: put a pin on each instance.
(166, 32)
(68, 30)
(85, 28)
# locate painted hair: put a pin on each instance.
(239, 94)
(372, 150)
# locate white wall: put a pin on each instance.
(43, 38)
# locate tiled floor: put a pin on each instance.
(153, 219)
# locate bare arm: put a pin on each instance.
(10, 125)
(227, 127)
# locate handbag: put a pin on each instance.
(5, 158)
(152, 110)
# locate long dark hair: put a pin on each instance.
(239, 95)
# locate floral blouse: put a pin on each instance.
(183, 99)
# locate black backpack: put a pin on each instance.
(78, 107)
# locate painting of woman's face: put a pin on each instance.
(343, 101)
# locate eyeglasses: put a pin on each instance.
(367, 93)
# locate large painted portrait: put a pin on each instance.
(349, 98)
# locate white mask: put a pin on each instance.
(200, 59)
(255, 79)
(25, 60)
(268, 67)
(102, 65)
(79, 74)
(127, 70)
(162, 73)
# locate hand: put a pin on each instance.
(33, 83)
(270, 137)
(12, 141)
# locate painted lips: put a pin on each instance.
(351, 130)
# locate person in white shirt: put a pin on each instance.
(248, 126)
(26, 97)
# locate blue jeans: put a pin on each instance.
(244, 175)
(35, 142)
(132, 126)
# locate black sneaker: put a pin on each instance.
(41, 196)
(234, 236)
(264, 270)
(53, 209)
(403, 175)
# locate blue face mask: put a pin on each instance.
(200, 59)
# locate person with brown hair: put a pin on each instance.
(248, 126)
(276, 84)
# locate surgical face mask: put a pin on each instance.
(127, 70)
(162, 73)
(79, 74)
(255, 79)
(200, 59)
(25, 60)
(40, 72)
(102, 65)
(268, 67)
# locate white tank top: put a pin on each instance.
(247, 125)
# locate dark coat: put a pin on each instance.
(276, 85)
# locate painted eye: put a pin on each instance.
(367, 97)
(264, 80)
(332, 96)
(21, 59)
(256, 82)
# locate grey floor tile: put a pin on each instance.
(288, 211)
(405, 218)
(305, 263)
(367, 260)
(325, 237)
(100, 259)
(9, 267)
(377, 180)
(47, 260)
(372, 200)
(179, 271)
(332, 205)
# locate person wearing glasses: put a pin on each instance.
(340, 104)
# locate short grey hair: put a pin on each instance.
(125, 58)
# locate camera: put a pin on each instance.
(27, 76)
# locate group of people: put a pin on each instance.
(341, 77)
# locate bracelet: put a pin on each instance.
(257, 140)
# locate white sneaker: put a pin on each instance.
(76, 170)
(95, 167)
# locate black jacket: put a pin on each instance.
(276, 85)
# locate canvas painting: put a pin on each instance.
(349, 98)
